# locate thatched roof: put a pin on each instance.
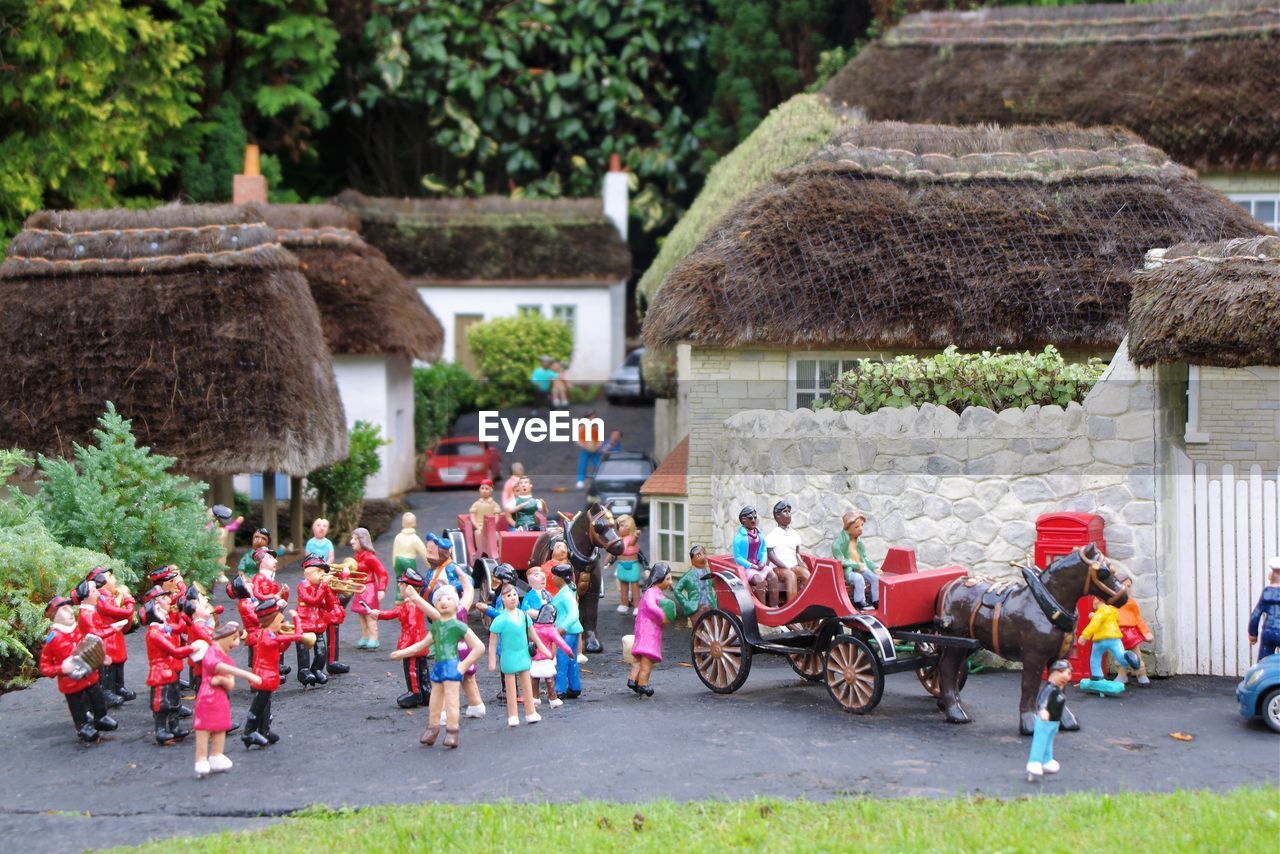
(365, 305)
(493, 238)
(1198, 80)
(194, 321)
(1215, 304)
(789, 135)
(919, 236)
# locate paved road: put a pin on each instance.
(347, 743)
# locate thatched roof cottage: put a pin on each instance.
(1206, 319)
(375, 325)
(906, 238)
(1197, 80)
(476, 259)
(194, 321)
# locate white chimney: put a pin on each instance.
(617, 195)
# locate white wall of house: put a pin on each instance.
(598, 317)
(379, 389)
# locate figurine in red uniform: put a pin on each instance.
(78, 684)
(316, 604)
(413, 628)
(213, 708)
(264, 587)
(87, 595)
(164, 657)
(238, 589)
(114, 604)
(266, 663)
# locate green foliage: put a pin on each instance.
(764, 52)
(960, 380)
(118, 498)
(507, 349)
(90, 92)
(341, 486)
(441, 393)
(491, 96)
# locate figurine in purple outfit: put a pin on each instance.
(654, 610)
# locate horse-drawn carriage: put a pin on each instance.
(824, 637)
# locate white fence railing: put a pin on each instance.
(1228, 527)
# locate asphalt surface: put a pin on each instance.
(347, 744)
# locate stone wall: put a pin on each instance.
(961, 489)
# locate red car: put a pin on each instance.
(460, 461)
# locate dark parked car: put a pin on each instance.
(618, 481)
(625, 383)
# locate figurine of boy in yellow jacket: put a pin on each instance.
(1104, 631)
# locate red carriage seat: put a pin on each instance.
(899, 561)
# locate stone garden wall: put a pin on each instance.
(961, 489)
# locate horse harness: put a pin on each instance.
(581, 562)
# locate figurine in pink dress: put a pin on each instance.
(654, 610)
(544, 666)
(213, 708)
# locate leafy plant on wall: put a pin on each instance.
(340, 487)
(507, 349)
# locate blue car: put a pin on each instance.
(1259, 692)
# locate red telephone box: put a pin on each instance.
(1056, 535)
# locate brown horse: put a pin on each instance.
(1032, 622)
(588, 534)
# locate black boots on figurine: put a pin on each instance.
(251, 737)
(89, 713)
(319, 660)
(410, 700)
(337, 668)
(117, 682)
(162, 733)
(257, 727)
(304, 664)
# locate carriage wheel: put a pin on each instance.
(854, 677)
(929, 676)
(807, 665)
(720, 655)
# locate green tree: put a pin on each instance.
(466, 97)
(507, 350)
(441, 393)
(340, 487)
(118, 498)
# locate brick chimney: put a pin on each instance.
(251, 186)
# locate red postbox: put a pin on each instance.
(1056, 535)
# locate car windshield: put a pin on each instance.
(633, 361)
(460, 449)
(612, 469)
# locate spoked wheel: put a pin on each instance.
(929, 676)
(853, 674)
(720, 654)
(808, 665)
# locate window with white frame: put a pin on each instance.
(811, 375)
(669, 530)
(1264, 207)
(568, 315)
(523, 310)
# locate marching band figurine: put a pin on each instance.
(628, 565)
(264, 587)
(238, 590)
(413, 628)
(443, 638)
(320, 544)
(514, 631)
(87, 595)
(1267, 612)
(266, 663)
(408, 549)
(115, 604)
(316, 604)
(199, 626)
(164, 656)
(77, 679)
(568, 677)
(1104, 631)
(544, 666)
(750, 553)
(226, 533)
(213, 706)
(694, 594)
(654, 610)
(783, 543)
(860, 572)
(375, 585)
(1050, 702)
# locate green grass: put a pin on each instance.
(1247, 819)
(787, 136)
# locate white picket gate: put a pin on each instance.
(1228, 527)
